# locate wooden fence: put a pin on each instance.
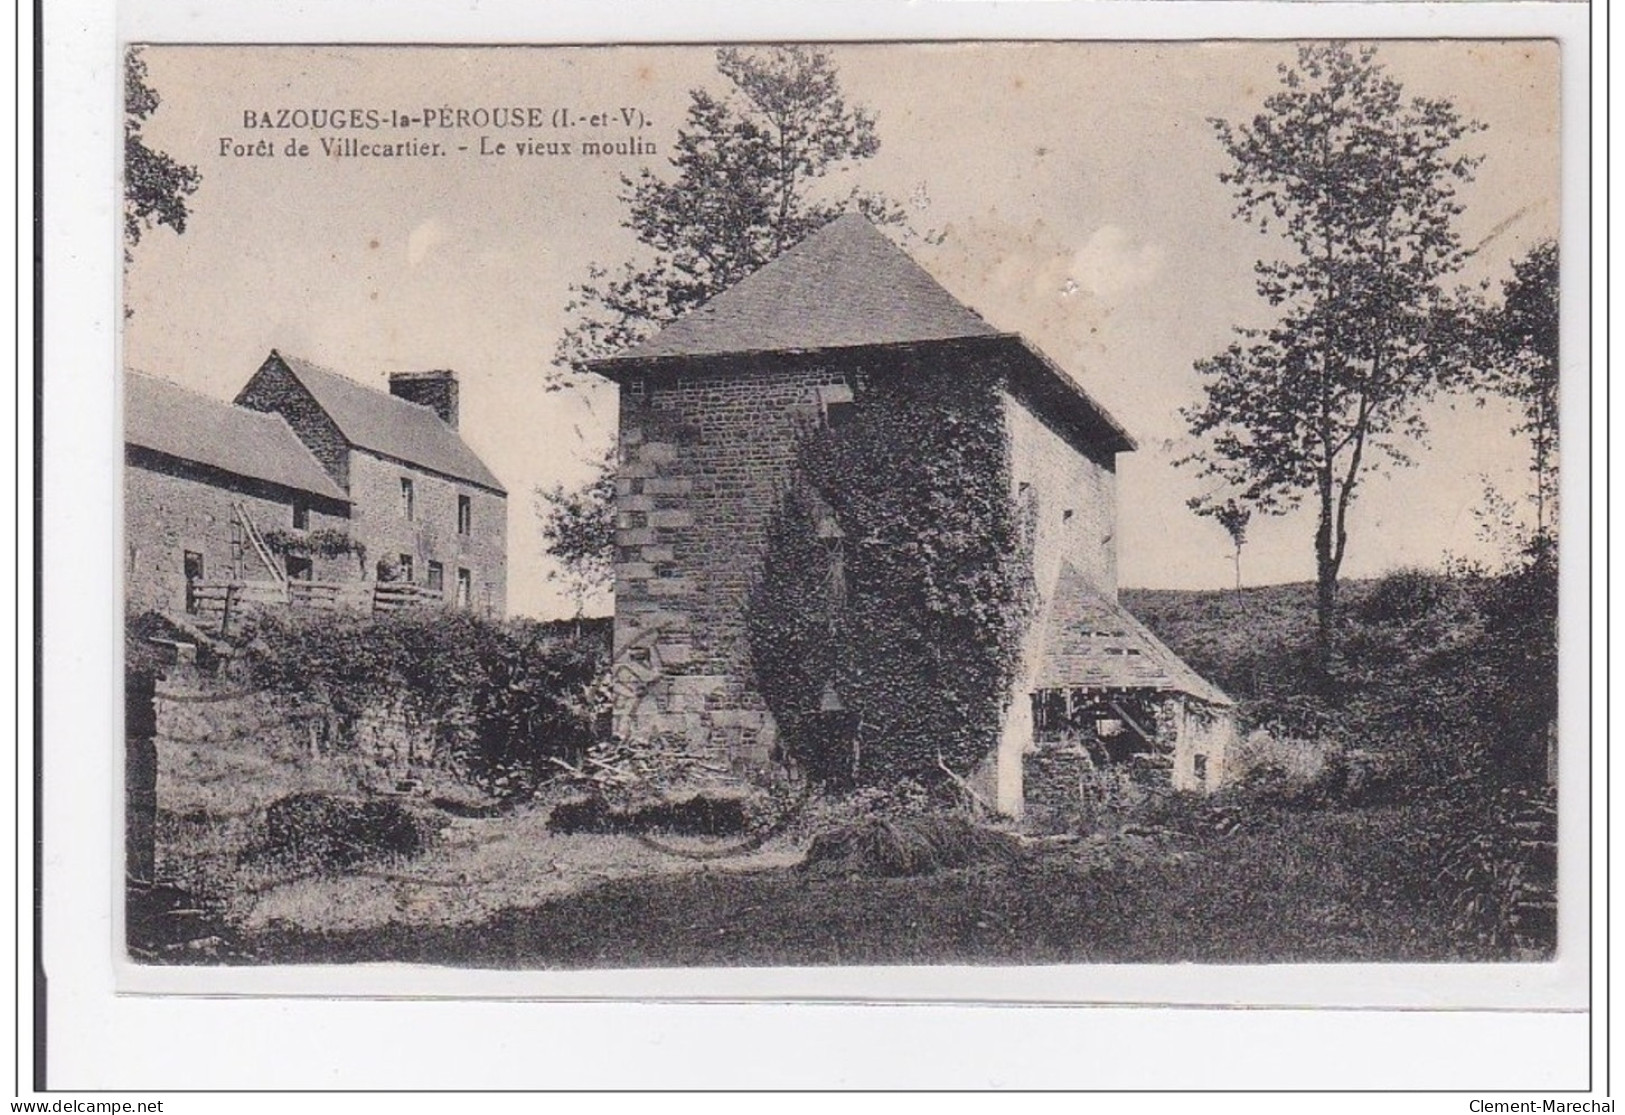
(217, 603)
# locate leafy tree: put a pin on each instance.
(1234, 518)
(1518, 353)
(155, 185)
(746, 166)
(1358, 185)
(578, 528)
(744, 187)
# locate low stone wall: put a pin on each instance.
(1052, 781)
(223, 750)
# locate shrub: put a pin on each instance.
(909, 846)
(700, 815)
(1278, 758)
(320, 832)
(1447, 673)
(498, 700)
(1497, 856)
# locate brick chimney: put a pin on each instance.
(435, 390)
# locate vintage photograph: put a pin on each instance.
(792, 505)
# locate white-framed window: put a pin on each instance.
(408, 500)
(465, 514)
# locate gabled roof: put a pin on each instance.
(844, 285)
(382, 423)
(1091, 642)
(168, 419)
(848, 287)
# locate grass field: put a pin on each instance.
(1315, 885)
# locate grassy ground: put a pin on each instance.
(1337, 882)
(1328, 885)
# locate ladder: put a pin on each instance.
(257, 541)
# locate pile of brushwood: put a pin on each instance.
(891, 847)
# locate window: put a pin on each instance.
(465, 587)
(192, 565)
(465, 515)
(437, 576)
(405, 564)
(836, 403)
(301, 517)
(1199, 768)
(298, 568)
(1066, 516)
(407, 508)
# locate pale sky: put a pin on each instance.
(1075, 186)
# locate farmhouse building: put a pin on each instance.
(712, 411)
(424, 508)
(201, 478)
(311, 490)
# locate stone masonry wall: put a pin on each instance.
(170, 508)
(1074, 499)
(275, 390)
(431, 534)
(1069, 502)
(704, 461)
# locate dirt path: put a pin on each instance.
(476, 868)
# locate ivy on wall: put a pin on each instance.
(498, 700)
(324, 542)
(885, 627)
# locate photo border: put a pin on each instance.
(1401, 988)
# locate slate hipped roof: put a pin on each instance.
(847, 286)
(1092, 642)
(164, 418)
(384, 424)
(844, 285)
